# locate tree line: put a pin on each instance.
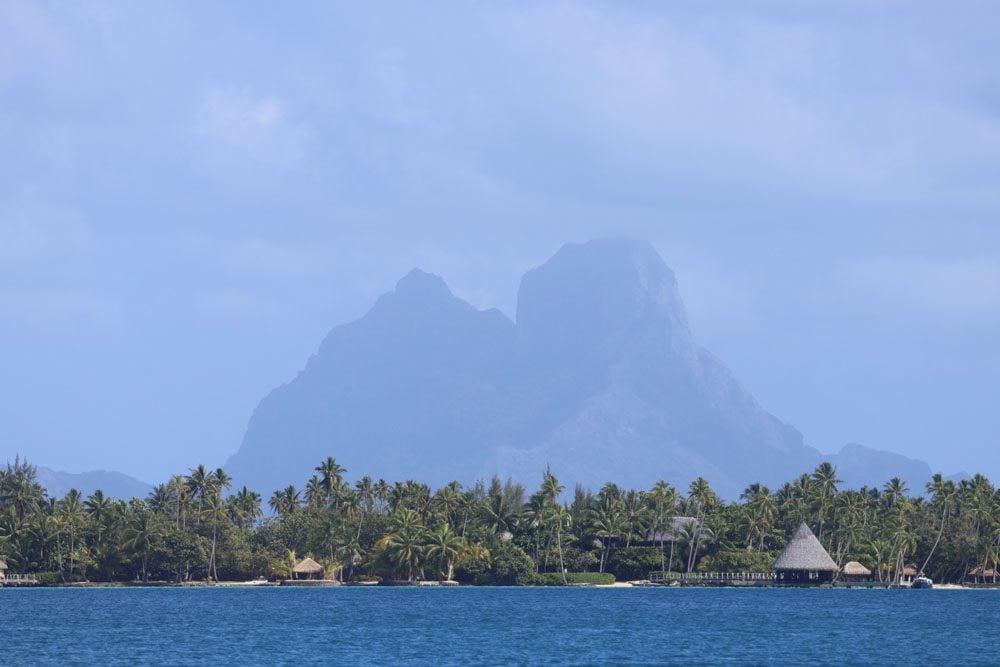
(196, 527)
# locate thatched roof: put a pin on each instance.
(678, 525)
(804, 552)
(978, 571)
(3, 565)
(856, 569)
(910, 570)
(308, 566)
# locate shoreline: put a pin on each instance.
(438, 584)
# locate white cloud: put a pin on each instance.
(948, 290)
(239, 124)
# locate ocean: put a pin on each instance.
(498, 626)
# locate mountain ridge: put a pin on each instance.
(598, 376)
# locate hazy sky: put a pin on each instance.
(193, 194)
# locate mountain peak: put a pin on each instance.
(418, 282)
(597, 294)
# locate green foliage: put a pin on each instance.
(191, 529)
(507, 566)
(739, 560)
(629, 563)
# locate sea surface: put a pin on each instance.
(497, 626)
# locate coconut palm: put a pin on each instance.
(286, 501)
(331, 474)
(444, 546)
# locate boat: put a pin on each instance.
(922, 582)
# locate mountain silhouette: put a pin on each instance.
(599, 378)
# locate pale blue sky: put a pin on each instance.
(192, 194)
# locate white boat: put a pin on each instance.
(922, 582)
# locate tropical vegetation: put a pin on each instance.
(197, 527)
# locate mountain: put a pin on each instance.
(114, 484)
(599, 377)
(861, 466)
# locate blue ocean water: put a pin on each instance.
(497, 626)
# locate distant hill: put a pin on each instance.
(861, 466)
(114, 484)
(598, 377)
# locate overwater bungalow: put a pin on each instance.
(804, 561)
(855, 572)
(308, 569)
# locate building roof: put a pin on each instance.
(910, 570)
(3, 565)
(804, 552)
(855, 569)
(978, 571)
(308, 566)
(677, 525)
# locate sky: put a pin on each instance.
(192, 194)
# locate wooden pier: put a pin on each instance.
(19, 580)
(741, 579)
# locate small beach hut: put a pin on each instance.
(307, 569)
(909, 572)
(855, 571)
(980, 574)
(804, 561)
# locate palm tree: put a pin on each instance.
(214, 511)
(446, 547)
(245, 507)
(606, 524)
(285, 501)
(634, 512)
(701, 495)
(406, 549)
(220, 481)
(553, 513)
(316, 495)
(559, 517)
(200, 484)
(825, 488)
(943, 494)
(96, 508)
(72, 517)
(142, 530)
(331, 473)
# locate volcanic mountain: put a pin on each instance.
(598, 378)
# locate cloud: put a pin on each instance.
(56, 313)
(238, 124)
(946, 291)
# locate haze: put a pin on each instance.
(191, 197)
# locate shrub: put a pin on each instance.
(737, 561)
(507, 566)
(634, 562)
(49, 578)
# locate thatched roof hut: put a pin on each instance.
(855, 570)
(979, 572)
(804, 560)
(308, 569)
(676, 531)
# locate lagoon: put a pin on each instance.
(498, 626)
